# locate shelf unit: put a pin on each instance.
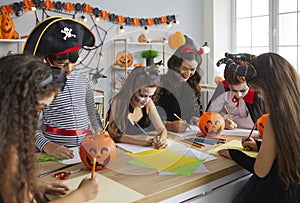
(128, 47)
(13, 45)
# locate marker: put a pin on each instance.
(180, 119)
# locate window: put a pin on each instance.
(268, 25)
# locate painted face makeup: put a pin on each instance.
(187, 69)
(142, 96)
(239, 90)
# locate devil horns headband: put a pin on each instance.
(190, 50)
(248, 71)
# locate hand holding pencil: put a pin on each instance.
(182, 123)
(229, 123)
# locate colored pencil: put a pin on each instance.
(181, 119)
(93, 168)
(137, 125)
(227, 112)
(249, 136)
(196, 144)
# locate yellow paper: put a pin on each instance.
(164, 159)
(233, 144)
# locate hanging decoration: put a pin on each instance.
(58, 6)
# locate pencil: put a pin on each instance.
(248, 138)
(93, 168)
(104, 128)
(193, 143)
(136, 124)
(227, 112)
(180, 119)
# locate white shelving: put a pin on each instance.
(11, 46)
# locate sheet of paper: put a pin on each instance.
(137, 148)
(240, 132)
(193, 131)
(200, 169)
(163, 159)
(109, 190)
(76, 158)
(233, 144)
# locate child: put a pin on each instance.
(276, 169)
(26, 86)
(233, 99)
(179, 91)
(67, 121)
(133, 111)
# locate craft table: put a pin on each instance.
(222, 180)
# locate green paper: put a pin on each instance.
(48, 157)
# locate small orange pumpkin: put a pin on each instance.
(7, 28)
(101, 147)
(121, 59)
(261, 124)
(211, 124)
(142, 38)
(176, 40)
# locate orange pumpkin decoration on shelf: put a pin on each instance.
(142, 38)
(7, 28)
(101, 147)
(121, 59)
(261, 124)
(176, 40)
(211, 124)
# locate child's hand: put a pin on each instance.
(224, 153)
(250, 144)
(55, 188)
(194, 120)
(178, 126)
(230, 124)
(161, 142)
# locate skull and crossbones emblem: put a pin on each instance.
(67, 32)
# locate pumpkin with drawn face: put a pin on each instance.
(211, 124)
(121, 59)
(7, 28)
(101, 147)
(261, 124)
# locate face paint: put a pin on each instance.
(187, 69)
(240, 90)
(142, 96)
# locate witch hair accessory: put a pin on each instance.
(248, 71)
(190, 50)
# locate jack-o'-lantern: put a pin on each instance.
(142, 38)
(211, 124)
(218, 79)
(101, 147)
(261, 124)
(7, 28)
(121, 59)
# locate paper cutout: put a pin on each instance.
(233, 144)
(109, 190)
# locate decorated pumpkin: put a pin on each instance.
(142, 38)
(101, 147)
(261, 124)
(211, 124)
(121, 59)
(7, 28)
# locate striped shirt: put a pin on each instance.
(73, 109)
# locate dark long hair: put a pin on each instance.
(23, 79)
(138, 78)
(281, 87)
(176, 60)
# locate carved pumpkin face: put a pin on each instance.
(121, 59)
(261, 124)
(102, 147)
(142, 38)
(7, 28)
(211, 124)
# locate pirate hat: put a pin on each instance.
(57, 35)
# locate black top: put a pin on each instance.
(269, 189)
(175, 97)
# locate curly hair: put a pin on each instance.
(280, 84)
(20, 89)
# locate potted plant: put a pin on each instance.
(149, 55)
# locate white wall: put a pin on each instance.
(201, 20)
